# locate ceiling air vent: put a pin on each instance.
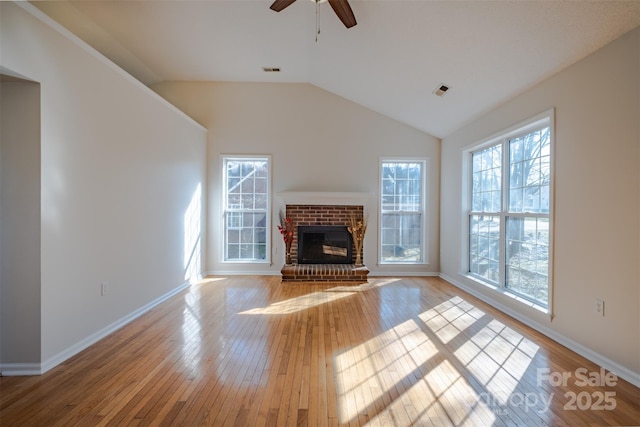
(441, 90)
(271, 69)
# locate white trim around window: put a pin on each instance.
(246, 209)
(402, 211)
(507, 198)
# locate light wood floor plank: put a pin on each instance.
(252, 351)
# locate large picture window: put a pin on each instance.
(246, 208)
(402, 211)
(509, 215)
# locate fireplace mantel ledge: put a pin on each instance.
(324, 198)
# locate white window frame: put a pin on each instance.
(424, 256)
(224, 159)
(543, 119)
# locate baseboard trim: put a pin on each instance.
(20, 369)
(243, 273)
(403, 274)
(278, 273)
(597, 358)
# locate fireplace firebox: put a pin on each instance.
(324, 244)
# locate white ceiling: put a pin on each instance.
(400, 51)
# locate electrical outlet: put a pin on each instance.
(104, 288)
(599, 307)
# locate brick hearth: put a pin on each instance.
(324, 273)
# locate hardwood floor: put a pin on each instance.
(249, 351)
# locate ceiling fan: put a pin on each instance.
(340, 7)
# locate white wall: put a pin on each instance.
(120, 167)
(597, 203)
(20, 222)
(318, 141)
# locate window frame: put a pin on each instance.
(503, 138)
(224, 159)
(424, 256)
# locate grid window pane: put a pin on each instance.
(487, 179)
(527, 256)
(233, 251)
(402, 186)
(246, 204)
(247, 241)
(484, 246)
(509, 245)
(402, 211)
(529, 172)
(401, 237)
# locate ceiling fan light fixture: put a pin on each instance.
(340, 7)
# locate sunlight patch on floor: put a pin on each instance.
(458, 401)
(300, 303)
(418, 370)
(371, 284)
(498, 357)
(376, 368)
(305, 302)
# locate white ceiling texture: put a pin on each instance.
(400, 51)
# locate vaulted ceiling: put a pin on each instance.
(400, 51)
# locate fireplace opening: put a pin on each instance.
(323, 244)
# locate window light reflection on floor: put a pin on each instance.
(192, 332)
(419, 370)
(300, 303)
(304, 302)
(376, 367)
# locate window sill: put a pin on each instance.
(245, 262)
(507, 293)
(416, 263)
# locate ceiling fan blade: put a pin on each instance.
(344, 12)
(278, 5)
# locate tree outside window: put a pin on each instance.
(402, 211)
(509, 219)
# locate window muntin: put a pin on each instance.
(246, 208)
(527, 257)
(509, 219)
(484, 247)
(402, 211)
(487, 180)
(530, 172)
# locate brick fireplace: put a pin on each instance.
(329, 215)
(322, 215)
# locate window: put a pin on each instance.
(246, 208)
(509, 215)
(402, 211)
